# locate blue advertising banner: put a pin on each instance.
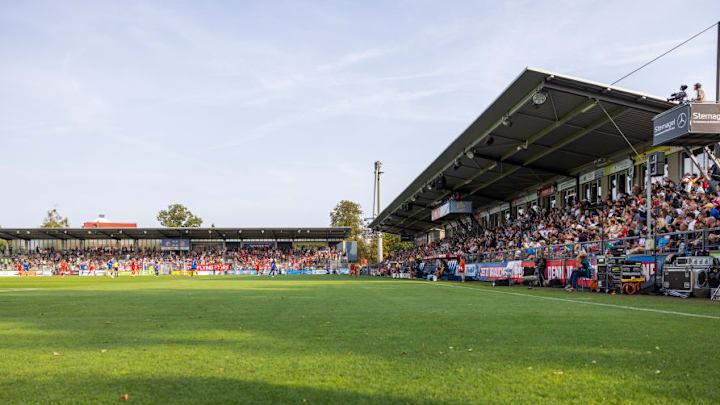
(451, 207)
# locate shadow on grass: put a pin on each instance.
(186, 390)
(507, 336)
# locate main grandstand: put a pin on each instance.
(555, 166)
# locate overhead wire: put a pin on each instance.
(663, 54)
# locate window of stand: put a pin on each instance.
(569, 196)
(705, 161)
(620, 183)
(592, 191)
(549, 202)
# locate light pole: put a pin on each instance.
(376, 207)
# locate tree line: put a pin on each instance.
(345, 214)
(350, 214)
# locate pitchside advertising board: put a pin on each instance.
(556, 269)
(692, 124)
(451, 207)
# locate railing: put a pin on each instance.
(681, 242)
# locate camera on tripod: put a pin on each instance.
(680, 96)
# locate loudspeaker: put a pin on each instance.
(714, 277)
(700, 283)
(440, 183)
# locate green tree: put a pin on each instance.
(349, 214)
(54, 220)
(391, 245)
(177, 215)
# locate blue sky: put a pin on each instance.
(269, 113)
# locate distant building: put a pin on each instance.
(102, 222)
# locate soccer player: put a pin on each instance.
(193, 267)
(133, 267)
(272, 269)
(462, 269)
(110, 267)
(116, 267)
(63, 267)
(92, 269)
(157, 269)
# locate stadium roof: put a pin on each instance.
(518, 143)
(175, 233)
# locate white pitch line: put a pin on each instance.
(659, 311)
(19, 289)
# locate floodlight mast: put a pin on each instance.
(376, 207)
(717, 67)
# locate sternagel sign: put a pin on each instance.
(693, 124)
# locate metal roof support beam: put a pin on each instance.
(611, 100)
(584, 107)
(567, 124)
(568, 116)
(533, 167)
(8, 236)
(572, 138)
(481, 138)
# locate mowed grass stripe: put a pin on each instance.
(328, 339)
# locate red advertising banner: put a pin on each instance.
(550, 190)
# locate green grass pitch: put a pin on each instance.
(335, 340)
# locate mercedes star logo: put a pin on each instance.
(682, 120)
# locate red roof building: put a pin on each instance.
(102, 222)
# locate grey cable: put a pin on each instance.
(665, 53)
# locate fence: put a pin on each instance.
(673, 242)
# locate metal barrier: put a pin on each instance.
(674, 242)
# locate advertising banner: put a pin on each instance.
(617, 166)
(451, 207)
(648, 264)
(258, 243)
(490, 271)
(211, 267)
(593, 175)
(550, 190)
(705, 118)
(175, 244)
(302, 245)
(687, 124)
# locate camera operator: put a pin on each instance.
(699, 93)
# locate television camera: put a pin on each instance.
(680, 97)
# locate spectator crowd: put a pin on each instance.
(250, 258)
(677, 210)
